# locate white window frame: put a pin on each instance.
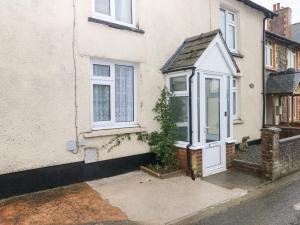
(268, 53)
(180, 94)
(235, 90)
(229, 23)
(99, 125)
(291, 59)
(112, 18)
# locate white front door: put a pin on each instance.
(214, 152)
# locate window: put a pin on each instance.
(235, 98)
(228, 27)
(291, 58)
(113, 94)
(116, 11)
(269, 54)
(178, 85)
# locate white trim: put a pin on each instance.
(112, 18)
(236, 91)
(111, 82)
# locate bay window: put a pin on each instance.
(116, 11)
(228, 27)
(113, 94)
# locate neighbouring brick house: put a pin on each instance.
(282, 53)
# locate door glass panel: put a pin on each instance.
(212, 96)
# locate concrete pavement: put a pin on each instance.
(154, 201)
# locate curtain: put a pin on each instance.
(124, 93)
(101, 70)
(101, 102)
(102, 6)
(124, 11)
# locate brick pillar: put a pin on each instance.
(270, 152)
(196, 158)
(230, 151)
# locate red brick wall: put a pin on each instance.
(182, 158)
(230, 150)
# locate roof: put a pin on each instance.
(268, 13)
(190, 51)
(296, 32)
(282, 39)
(283, 82)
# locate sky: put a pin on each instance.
(294, 4)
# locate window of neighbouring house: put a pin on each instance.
(116, 11)
(228, 27)
(291, 59)
(235, 99)
(178, 86)
(269, 54)
(113, 94)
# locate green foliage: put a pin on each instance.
(162, 143)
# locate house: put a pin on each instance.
(282, 56)
(296, 32)
(79, 80)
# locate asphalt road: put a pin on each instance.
(277, 208)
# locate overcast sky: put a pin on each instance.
(294, 4)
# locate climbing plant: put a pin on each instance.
(162, 143)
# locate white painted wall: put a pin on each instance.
(37, 74)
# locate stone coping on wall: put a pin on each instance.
(289, 139)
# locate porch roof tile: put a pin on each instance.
(190, 51)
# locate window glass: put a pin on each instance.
(231, 17)
(102, 6)
(178, 83)
(181, 111)
(124, 10)
(234, 103)
(124, 93)
(101, 70)
(223, 22)
(228, 107)
(101, 102)
(231, 37)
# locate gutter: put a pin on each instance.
(188, 150)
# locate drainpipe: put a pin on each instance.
(264, 72)
(188, 150)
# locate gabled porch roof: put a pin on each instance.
(191, 50)
(283, 83)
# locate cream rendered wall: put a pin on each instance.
(37, 74)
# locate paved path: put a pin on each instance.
(278, 208)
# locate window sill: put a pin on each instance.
(238, 121)
(237, 55)
(115, 25)
(115, 131)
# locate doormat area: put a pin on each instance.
(77, 204)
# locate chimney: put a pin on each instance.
(281, 25)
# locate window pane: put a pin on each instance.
(212, 96)
(102, 6)
(231, 17)
(223, 22)
(234, 83)
(124, 93)
(124, 10)
(101, 102)
(101, 70)
(231, 37)
(234, 103)
(178, 83)
(183, 133)
(181, 110)
(228, 107)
